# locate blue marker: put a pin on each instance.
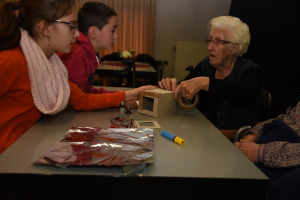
(173, 137)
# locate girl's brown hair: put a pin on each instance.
(30, 13)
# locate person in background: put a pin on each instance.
(274, 147)
(33, 79)
(229, 85)
(97, 27)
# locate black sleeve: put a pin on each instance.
(240, 92)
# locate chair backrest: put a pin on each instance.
(156, 64)
(146, 58)
(112, 57)
(265, 105)
(189, 68)
(160, 65)
(128, 73)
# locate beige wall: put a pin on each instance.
(183, 20)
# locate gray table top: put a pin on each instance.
(206, 154)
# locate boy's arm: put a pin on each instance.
(100, 91)
(86, 102)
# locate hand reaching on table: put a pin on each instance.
(135, 93)
(131, 104)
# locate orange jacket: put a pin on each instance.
(80, 100)
(17, 110)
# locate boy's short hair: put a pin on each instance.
(94, 14)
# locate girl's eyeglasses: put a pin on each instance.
(73, 26)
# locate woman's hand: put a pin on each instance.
(168, 84)
(190, 87)
(249, 149)
(135, 93)
(248, 138)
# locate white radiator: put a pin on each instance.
(188, 53)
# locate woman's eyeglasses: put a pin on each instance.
(217, 42)
(73, 26)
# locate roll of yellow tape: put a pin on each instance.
(195, 104)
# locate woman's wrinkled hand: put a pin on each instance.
(168, 84)
(249, 149)
(250, 138)
(189, 88)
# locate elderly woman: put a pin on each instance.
(274, 147)
(229, 86)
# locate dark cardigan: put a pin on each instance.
(238, 104)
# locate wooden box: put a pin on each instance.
(157, 102)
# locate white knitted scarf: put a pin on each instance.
(48, 77)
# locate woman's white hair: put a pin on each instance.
(238, 31)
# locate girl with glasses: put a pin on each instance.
(33, 79)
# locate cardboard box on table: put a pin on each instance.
(157, 102)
